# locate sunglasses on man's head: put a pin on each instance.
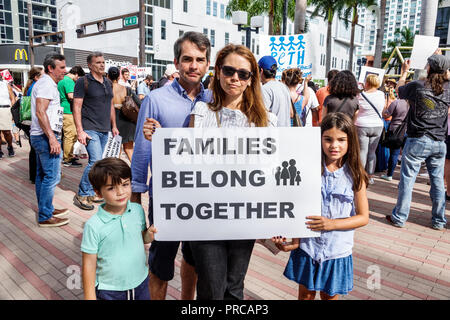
(242, 73)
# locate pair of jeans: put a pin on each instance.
(48, 175)
(94, 149)
(221, 267)
(415, 151)
(393, 159)
(368, 142)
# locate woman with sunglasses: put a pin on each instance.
(237, 102)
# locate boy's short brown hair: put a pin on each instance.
(115, 168)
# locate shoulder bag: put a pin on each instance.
(383, 132)
(130, 108)
(395, 139)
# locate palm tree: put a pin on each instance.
(300, 16)
(405, 38)
(273, 8)
(352, 11)
(327, 9)
(380, 35)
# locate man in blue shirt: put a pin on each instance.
(171, 107)
(144, 87)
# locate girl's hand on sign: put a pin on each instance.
(319, 223)
(150, 126)
(281, 243)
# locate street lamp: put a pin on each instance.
(68, 3)
(239, 18)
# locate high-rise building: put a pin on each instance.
(399, 14)
(14, 19)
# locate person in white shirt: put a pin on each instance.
(124, 81)
(312, 105)
(45, 137)
(369, 122)
(7, 99)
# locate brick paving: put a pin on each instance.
(38, 263)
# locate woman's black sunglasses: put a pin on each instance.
(243, 75)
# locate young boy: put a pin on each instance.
(114, 260)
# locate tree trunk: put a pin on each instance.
(380, 35)
(428, 17)
(271, 17)
(300, 16)
(329, 34)
(352, 38)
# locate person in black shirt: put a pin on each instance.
(426, 133)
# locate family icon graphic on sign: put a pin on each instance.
(289, 173)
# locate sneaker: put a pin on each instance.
(72, 163)
(438, 228)
(53, 222)
(95, 199)
(385, 177)
(11, 152)
(58, 213)
(389, 218)
(82, 202)
(371, 181)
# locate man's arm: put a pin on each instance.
(41, 113)
(82, 136)
(141, 154)
(89, 262)
(12, 96)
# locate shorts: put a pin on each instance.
(332, 276)
(141, 292)
(162, 254)
(447, 142)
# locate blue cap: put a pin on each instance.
(267, 62)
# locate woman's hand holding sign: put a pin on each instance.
(149, 128)
(284, 246)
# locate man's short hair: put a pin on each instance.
(125, 70)
(149, 77)
(78, 71)
(50, 60)
(92, 55)
(115, 168)
(269, 66)
(199, 39)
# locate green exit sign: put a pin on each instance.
(130, 21)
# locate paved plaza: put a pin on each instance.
(412, 263)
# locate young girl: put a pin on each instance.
(325, 263)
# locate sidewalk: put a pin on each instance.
(412, 263)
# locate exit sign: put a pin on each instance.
(130, 21)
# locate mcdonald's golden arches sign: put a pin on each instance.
(21, 53)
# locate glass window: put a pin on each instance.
(227, 38)
(215, 9)
(222, 11)
(163, 29)
(185, 5)
(213, 38)
(208, 7)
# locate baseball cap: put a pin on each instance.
(170, 70)
(438, 63)
(267, 62)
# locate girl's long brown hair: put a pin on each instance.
(35, 71)
(252, 104)
(343, 122)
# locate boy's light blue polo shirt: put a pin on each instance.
(117, 242)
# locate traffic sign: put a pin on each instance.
(130, 21)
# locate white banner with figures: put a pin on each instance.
(240, 183)
(290, 51)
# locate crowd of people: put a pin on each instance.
(74, 107)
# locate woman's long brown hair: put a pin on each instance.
(343, 122)
(252, 104)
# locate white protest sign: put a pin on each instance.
(240, 183)
(294, 51)
(423, 48)
(112, 148)
(365, 71)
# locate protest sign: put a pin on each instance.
(112, 148)
(240, 183)
(6, 75)
(423, 48)
(365, 71)
(294, 51)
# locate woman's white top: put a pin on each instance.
(4, 94)
(229, 118)
(367, 116)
